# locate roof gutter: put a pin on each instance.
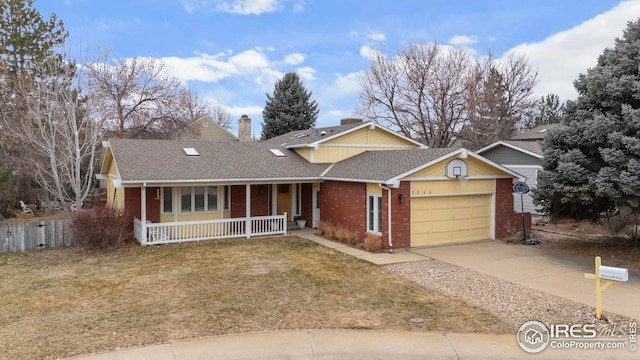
(394, 186)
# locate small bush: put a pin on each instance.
(102, 227)
(328, 230)
(373, 242)
(344, 235)
(514, 234)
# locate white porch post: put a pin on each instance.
(248, 210)
(143, 213)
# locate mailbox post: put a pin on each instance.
(610, 274)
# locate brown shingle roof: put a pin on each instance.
(165, 161)
(537, 133)
(309, 136)
(384, 165)
(531, 146)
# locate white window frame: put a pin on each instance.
(193, 200)
(374, 223)
(226, 194)
(162, 198)
(297, 201)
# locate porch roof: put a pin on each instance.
(166, 161)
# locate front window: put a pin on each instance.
(198, 199)
(167, 200)
(374, 213)
(227, 197)
(185, 199)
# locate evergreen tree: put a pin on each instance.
(592, 160)
(26, 38)
(548, 111)
(290, 108)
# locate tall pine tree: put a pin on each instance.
(592, 160)
(290, 108)
(27, 39)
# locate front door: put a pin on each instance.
(316, 207)
(284, 199)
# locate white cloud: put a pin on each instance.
(561, 57)
(376, 36)
(367, 52)
(244, 110)
(249, 60)
(462, 40)
(294, 59)
(347, 84)
(212, 68)
(248, 7)
(306, 72)
(240, 7)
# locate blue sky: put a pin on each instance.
(232, 51)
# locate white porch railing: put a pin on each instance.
(176, 232)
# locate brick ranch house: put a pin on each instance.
(359, 175)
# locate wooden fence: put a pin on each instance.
(26, 236)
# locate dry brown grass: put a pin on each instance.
(587, 240)
(65, 302)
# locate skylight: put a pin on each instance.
(277, 152)
(190, 151)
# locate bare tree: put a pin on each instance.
(136, 98)
(221, 116)
(59, 134)
(500, 100)
(438, 94)
(421, 92)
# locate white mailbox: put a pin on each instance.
(614, 273)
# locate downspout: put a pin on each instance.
(388, 216)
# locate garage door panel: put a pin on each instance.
(438, 220)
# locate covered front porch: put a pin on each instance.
(174, 213)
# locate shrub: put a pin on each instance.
(347, 236)
(102, 227)
(373, 242)
(328, 230)
(514, 233)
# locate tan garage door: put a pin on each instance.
(446, 219)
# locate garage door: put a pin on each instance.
(446, 219)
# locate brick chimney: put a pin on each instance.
(349, 121)
(244, 129)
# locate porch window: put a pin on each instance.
(167, 200)
(212, 198)
(227, 197)
(185, 199)
(298, 193)
(198, 195)
(198, 199)
(374, 213)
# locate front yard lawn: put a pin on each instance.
(65, 302)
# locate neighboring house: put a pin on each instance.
(360, 176)
(522, 154)
(204, 128)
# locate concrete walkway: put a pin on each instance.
(521, 264)
(352, 345)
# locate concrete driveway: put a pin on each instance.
(529, 266)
